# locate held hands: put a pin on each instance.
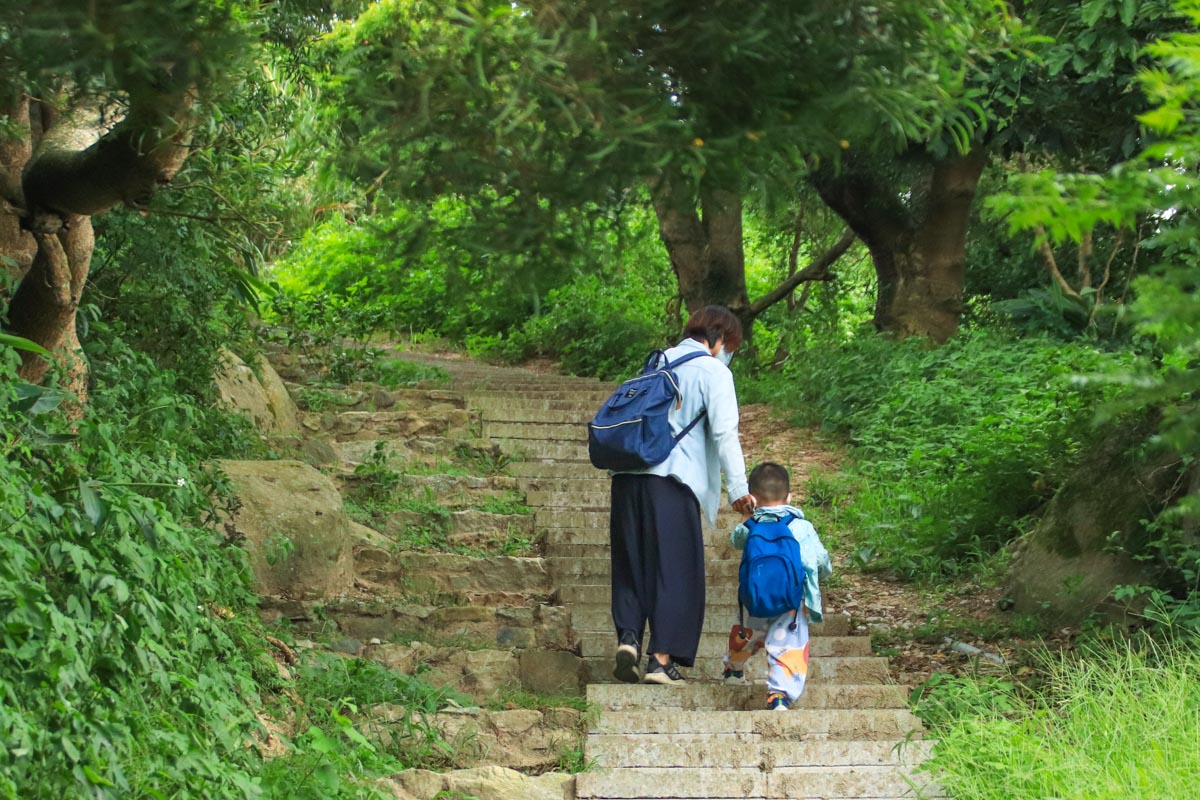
(745, 505)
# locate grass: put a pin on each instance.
(1106, 724)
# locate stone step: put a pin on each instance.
(389, 619)
(465, 526)
(495, 406)
(403, 453)
(598, 669)
(580, 500)
(359, 425)
(549, 469)
(441, 575)
(715, 645)
(825, 670)
(783, 782)
(717, 619)
(720, 572)
(485, 395)
(370, 397)
(520, 415)
(449, 491)
(718, 575)
(800, 724)
(534, 449)
(745, 751)
(699, 696)
(554, 549)
(597, 482)
(537, 432)
(573, 518)
(592, 542)
(599, 595)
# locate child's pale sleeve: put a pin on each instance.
(738, 537)
(817, 565)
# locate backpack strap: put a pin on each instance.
(672, 365)
(683, 359)
(653, 359)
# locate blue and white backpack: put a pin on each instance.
(771, 575)
(631, 431)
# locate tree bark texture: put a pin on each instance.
(918, 245)
(58, 171)
(702, 231)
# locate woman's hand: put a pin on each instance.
(745, 505)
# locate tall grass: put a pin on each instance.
(1111, 725)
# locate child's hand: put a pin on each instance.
(745, 505)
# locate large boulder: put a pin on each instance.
(290, 520)
(1067, 568)
(257, 393)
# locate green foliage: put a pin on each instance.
(1146, 193)
(597, 328)
(395, 373)
(119, 679)
(953, 446)
(560, 104)
(1106, 725)
(341, 744)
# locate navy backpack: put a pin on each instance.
(631, 430)
(771, 575)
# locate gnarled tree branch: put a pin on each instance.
(817, 270)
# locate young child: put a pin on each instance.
(785, 637)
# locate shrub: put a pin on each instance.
(953, 446)
(599, 328)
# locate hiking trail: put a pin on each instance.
(551, 614)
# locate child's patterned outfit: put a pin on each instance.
(787, 650)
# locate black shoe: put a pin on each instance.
(627, 657)
(664, 674)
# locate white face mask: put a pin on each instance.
(724, 356)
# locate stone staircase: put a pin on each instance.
(851, 736)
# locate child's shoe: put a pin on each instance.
(733, 676)
(777, 702)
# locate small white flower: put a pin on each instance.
(181, 482)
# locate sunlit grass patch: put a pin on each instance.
(1107, 725)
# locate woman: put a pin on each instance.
(655, 529)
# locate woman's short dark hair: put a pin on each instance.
(715, 322)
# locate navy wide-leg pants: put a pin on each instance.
(657, 564)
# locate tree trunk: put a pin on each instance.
(702, 231)
(918, 247)
(57, 173)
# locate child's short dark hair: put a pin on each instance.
(770, 481)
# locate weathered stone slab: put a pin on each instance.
(748, 698)
(433, 573)
(716, 646)
(291, 522)
(483, 783)
(746, 751)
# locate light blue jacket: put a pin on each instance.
(712, 447)
(813, 554)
